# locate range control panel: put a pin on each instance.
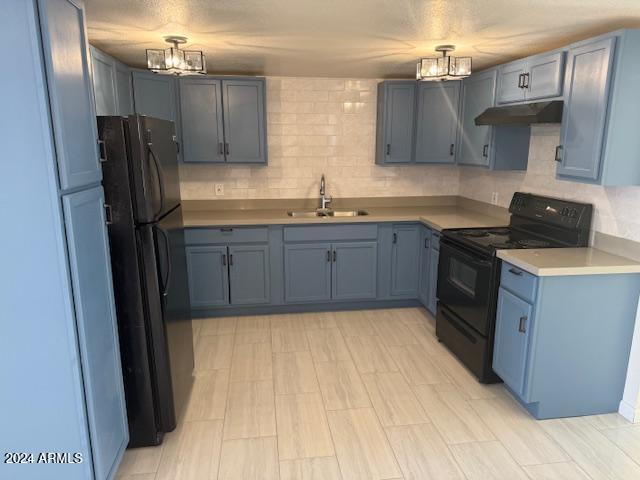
(556, 211)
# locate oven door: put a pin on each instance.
(465, 285)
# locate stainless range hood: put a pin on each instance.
(523, 114)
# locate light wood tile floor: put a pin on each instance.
(364, 395)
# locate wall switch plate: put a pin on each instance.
(219, 189)
(494, 198)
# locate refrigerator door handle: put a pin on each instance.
(158, 167)
(167, 282)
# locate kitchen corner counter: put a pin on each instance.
(436, 217)
(546, 262)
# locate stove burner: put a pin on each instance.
(531, 243)
(474, 233)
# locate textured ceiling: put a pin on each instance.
(349, 38)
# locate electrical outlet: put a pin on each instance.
(494, 198)
(219, 188)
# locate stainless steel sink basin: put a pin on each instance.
(305, 213)
(327, 213)
(347, 213)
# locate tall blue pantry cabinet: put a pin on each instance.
(61, 382)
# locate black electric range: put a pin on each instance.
(469, 271)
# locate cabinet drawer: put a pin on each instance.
(199, 236)
(331, 232)
(518, 281)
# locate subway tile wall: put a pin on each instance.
(316, 126)
(616, 208)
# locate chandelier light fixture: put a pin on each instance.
(445, 67)
(174, 61)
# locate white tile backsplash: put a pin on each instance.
(316, 126)
(326, 125)
(617, 209)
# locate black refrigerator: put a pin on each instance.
(146, 236)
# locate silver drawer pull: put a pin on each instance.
(515, 272)
(522, 327)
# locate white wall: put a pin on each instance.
(315, 126)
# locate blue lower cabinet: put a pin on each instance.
(432, 302)
(208, 276)
(97, 330)
(307, 272)
(249, 274)
(554, 352)
(405, 260)
(354, 270)
(511, 339)
(425, 263)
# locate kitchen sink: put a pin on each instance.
(327, 213)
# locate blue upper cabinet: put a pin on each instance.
(478, 94)
(155, 95)
(70, 92)
(202, 126)
(243, 103)
(111, 85)
(104, 83)
(599, 141)
(532, 78)
(97, 329)
(544, 77)
(511, 81)
(437, 122)
(395, 124)
(585, 112)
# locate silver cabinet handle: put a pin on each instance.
(451, 147)
(102, 149)
(521, 80)
(335, 256)
(108, 215)
(525, 83)
(558, 157)
(388, 148)
(522, 327)
(515, 272)
(485, 150)
(328, 255)
(226, 148)
(220, 148)
(395, 238)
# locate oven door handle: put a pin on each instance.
(455, 252)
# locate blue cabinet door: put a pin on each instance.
(432, 302)
(201, 115)
(97, 330)
(396, 109)
(307, 272)
(155, 95)
(437, 122)
(70, 92)
(354, 271)
(245, 126)
(208, 276)
(249, 274)
(425, 263)
(478, 92)
(124, 90)
(545, 77)
(586, 93)
(405, 261)
(104, 87)
(511, 82)
(513, 324)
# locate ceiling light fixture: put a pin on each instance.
(445, 67)
(173, 61)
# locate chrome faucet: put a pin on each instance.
(324, 200)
